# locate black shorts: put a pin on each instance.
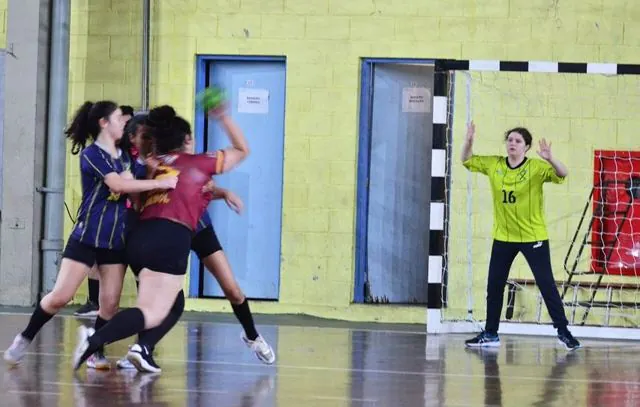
(131, 221)
(159, 245)
(205, 243)
(89, 255)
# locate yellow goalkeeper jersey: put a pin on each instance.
(517, 196)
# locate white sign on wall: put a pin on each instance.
(416, 100)
(253, 101)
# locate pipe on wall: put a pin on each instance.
(146, 39)
(52, 242)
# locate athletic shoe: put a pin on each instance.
(89, 309)
(17, 350)
(484, 340)
(124, 364)
(98, 361)
(142, 359)
(568, 341)
(80, 353)
(263, 351)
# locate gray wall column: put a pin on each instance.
(23, 150)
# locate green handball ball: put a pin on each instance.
(210, 98)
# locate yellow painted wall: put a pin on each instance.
(3, 23)
(323, 42)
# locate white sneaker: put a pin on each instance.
(81, 346)
(17, 350)
(263, 351)
(98, 361)
(124, 364)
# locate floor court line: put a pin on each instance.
(375, 371)
(399, 331)
(208, 391)
(196, 391)
(80, 383)
(34, 392)
(240, 373)
(622, 344)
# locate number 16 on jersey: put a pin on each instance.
(508, 197)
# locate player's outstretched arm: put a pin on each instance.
(545, 153)
(467, 147)
(239, 149)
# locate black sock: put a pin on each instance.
(98, 325)
(137, 291)
(94, 290)
(100, 322)
(151, 337)
(37, 321)
(243, 313)
(124, 324)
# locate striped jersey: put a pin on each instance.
(102, 214)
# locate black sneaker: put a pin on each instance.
(568, 341)
(142, 359)
(87, 310)
(484, 340)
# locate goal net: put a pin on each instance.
(593, 218)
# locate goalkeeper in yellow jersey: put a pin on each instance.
(518, 226)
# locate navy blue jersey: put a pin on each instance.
(102, 215)
(204, 222)
(138, 168)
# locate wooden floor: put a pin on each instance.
(206, 364)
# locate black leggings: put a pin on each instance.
(539, 259)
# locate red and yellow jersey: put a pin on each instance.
(186, 203)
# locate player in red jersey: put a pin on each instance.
(160, 245)
(206, 245)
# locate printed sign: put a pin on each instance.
(253, 101)
(416, 100)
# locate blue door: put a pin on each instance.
(399, 183)
(251, 241)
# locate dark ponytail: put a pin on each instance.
(85, 125)
(166, 131)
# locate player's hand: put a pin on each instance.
(471, 132)
(234, 202)
(209, 187)
(168, 182)
(219, 112)
(545, 150)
